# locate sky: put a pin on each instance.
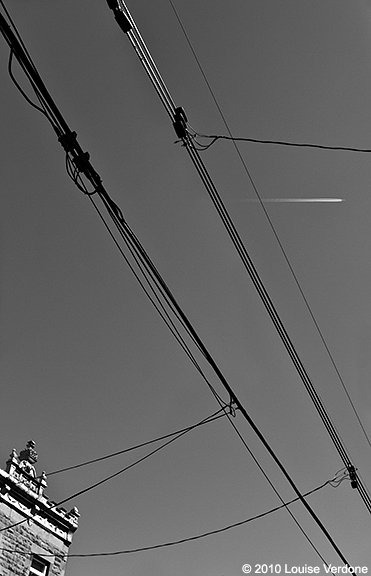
(88, 367)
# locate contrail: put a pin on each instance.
(293, 200)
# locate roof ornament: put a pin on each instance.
(28, 457)
(29, 453)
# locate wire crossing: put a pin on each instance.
(335, 482)
(180, 124)
(80, 164)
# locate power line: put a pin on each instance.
(156, 302)
(214, 138)
(177, 434)
(82, 163)
(188, 141)
(274, 489)
(262, 470)
(189, 538)
(111, 476)
(180, 125)
(207, 420)
(230, 137)
(180, 128)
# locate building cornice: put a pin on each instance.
(23, 491)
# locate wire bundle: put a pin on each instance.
(188, 141)
(79, 166)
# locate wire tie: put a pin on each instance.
(353, 476)
(68, 141)
(232, 409)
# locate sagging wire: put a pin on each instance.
(215, 416)
(43, 108)
(81, 160)
(191, 538)
(24, 47)
(145, 457)
(250, 268)
(152, 294)
(10, 71)
(309, 509)
(214, 137)
(188, 137)
(207, 420)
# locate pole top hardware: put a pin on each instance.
(180, 122)
(120, 17)
(353, 476)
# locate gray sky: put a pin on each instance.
(87, 365)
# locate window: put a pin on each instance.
(39, 566)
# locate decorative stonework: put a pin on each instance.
(22, 490)
(22, 469)
(29, 454)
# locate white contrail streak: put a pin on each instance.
(293, 200)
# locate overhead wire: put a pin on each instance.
(190, 538)
(218, 203)
(139, 460)
(20, 88)
(174, 436)
(148, 62)
(251, 423)
(275, 490)
(231, 137)
(272, 485)
(81, 160)
(207, 420)
(130, 34)
(193, 152)
(157, 303)
(215, 137)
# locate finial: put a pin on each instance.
(29, 453)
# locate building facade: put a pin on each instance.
(35, 534)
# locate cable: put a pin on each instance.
(273, 487)
(81, 160)
(179, 125)
(19, 87)
(218, 203)
(189, 538)
(211, 418)
(13, 525)
(275, 490)
(180, 433)
(156, 302)
(17, 34)
(129, 236)
(215, 137)
(107, 478)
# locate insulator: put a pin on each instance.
(352, 476)
(122, 21)
(180, 122)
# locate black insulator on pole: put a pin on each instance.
(180, 122)
(122, 21)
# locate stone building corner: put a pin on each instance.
(35, 534)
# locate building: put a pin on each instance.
(35, 534)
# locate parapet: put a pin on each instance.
(23, 491)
